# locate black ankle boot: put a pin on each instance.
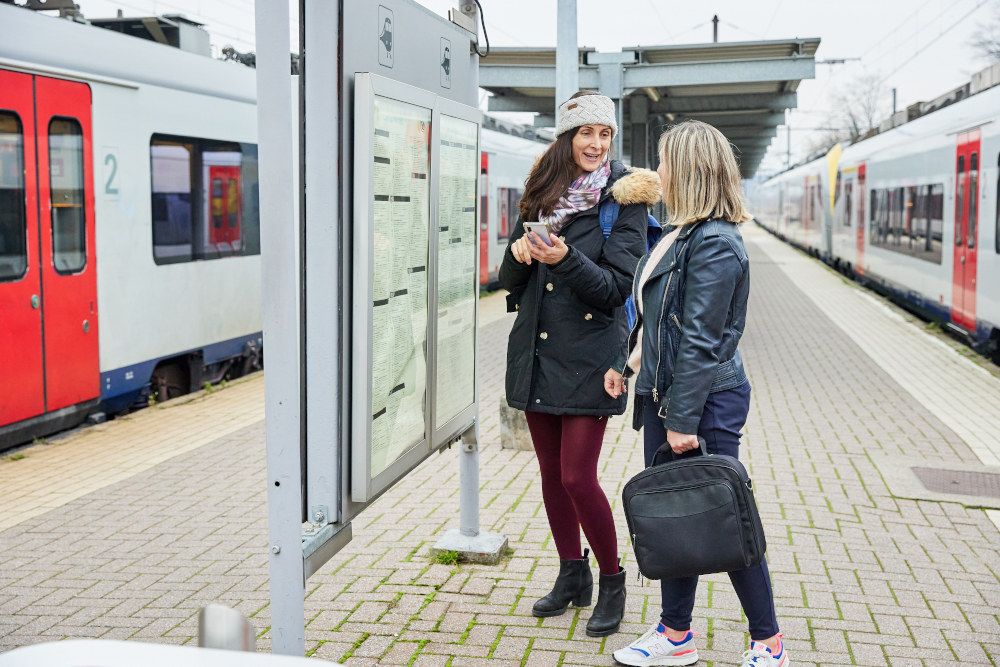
(575, 584)
(610, 607)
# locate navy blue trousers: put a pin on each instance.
(724, 415)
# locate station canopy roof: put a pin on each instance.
(742, 88)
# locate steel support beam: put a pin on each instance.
(719, 72)
(567, 55)
(531, 76)
(703, 103)
(279, 233)
(529, 103)
(751, 120)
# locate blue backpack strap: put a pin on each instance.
(608, 214)
(653, 231)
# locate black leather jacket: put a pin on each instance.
(694, 313)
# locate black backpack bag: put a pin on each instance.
(693, 516)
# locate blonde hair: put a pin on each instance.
(703, 177)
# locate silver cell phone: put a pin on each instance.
(540, 228)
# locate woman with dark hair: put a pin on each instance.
(568, 286)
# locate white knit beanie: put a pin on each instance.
(587, 110)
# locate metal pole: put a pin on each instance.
(788, 155)
(894, 100)
(323, 309)
(715, 28)
(279, 231)
(567, 53)
(468, 472)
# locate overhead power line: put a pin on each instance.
(969, 13)
(883, 41)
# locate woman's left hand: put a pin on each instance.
(682, 442)
(544, 253)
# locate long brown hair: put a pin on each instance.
(551, 175)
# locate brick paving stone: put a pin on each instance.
(898, 579)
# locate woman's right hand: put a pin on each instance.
(614, 383)
(519, 249)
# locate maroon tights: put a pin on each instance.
(567, 447)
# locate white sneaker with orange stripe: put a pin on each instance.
(655, 648)
(760, 655)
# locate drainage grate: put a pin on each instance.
(962, 482)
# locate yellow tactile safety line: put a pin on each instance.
(51, 475)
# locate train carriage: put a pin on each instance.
(912, 211)
(129, 228)
(129, 237)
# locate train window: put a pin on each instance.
(959, 199)
(13, 217)
(874, 211)
(69, 221)
(973, 197)
(913, 214)
(233, 203)
(513, 206)
(503, 226)
(204, 199)
(217, 203)
(848, 203)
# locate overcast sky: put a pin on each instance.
(920, 47)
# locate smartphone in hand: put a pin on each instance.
(540, 228)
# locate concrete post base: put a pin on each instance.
(486, 548)
(514, 432)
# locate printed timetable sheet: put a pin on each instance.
(457, 284)
(400, 277)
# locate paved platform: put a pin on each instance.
(126, 530)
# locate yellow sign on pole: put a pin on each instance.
(832, 163)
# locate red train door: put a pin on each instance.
(963, 300)
(68, 266)
(859, 265)
(22, 388)
(484, 220)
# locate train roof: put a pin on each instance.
(971, 104)
(943, 124)
(498, 142)
(57, 47)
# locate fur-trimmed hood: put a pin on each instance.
(637, 186)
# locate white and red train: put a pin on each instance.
(912, 211)
(129, 230)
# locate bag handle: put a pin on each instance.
(664, 449)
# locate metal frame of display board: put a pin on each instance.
(307, 267)
(366, 484)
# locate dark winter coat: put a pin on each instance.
(570, 316)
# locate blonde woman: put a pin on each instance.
(691, 294)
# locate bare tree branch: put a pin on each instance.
(986, 39)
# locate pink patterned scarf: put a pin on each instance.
(583, 193)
